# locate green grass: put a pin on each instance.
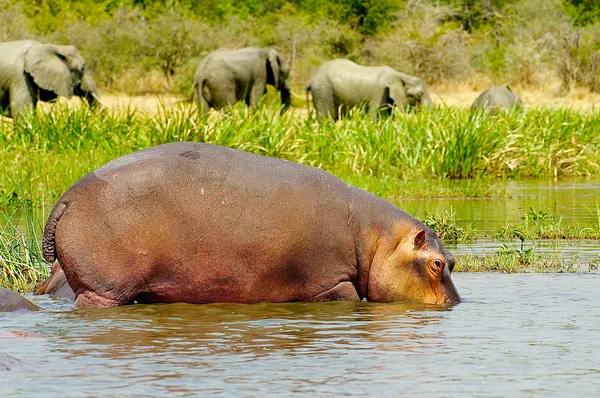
(21, 261)
(437, 153)
(405, 156)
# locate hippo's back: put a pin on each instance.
(12, 301)
(197, 222)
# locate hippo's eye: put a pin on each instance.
(437, 263)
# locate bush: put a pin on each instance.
(154, 46)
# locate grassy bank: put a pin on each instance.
(407, 155)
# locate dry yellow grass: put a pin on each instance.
(449, 94)
(546, 95)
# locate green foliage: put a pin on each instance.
(153, 46)
(473, 14)
(583, 12)
(367, 16)
(445, 225)
(61, 146)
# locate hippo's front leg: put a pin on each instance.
(341, 291)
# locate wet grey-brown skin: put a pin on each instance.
(8, 362)
(497, 98)
(31, 71)
(227, 76)
(12, 301)
(341, 84)
(199, 223)
(56, 285)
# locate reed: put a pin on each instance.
(386, 156)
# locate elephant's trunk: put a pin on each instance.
(426, 100)
(87, 89)
(286, 95)
(93, 99)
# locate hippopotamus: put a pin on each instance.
(12, 301)
(497, 98)
(8, 362)
(200, 223)
(55, 285)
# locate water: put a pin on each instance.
(576, 200)
(514, 335)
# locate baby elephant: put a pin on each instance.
(497, 98)
(226, 76)
(342, 84)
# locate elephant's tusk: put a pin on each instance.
(298, 96)
(97, 98)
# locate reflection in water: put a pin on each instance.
(575, 199)
(251, 330)
(533, 334)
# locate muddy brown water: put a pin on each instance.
(514, 335)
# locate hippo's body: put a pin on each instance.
(199, 223)
(12, 301)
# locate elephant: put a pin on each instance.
(200, 223)
(497, 98)
(227, 76)
(31, 71)
(341, 84)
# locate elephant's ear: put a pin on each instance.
(48, 66)
(274, 63)
(397, 90)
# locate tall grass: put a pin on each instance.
(21, 260)
(54, 150)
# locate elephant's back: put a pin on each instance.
(12, 51)
(496, 96)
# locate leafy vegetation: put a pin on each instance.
(55, 149)
(154, 46)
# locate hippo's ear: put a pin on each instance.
(439, 234)
(420, 239)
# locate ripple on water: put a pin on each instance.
(533, 334)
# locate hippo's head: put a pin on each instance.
(416, 266)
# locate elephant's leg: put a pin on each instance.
(256, 92)
(203, 105)
(223, 93)
(21, 99)
(323, 100)
(379, 107)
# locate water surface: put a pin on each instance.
(576, 200)
(515, 335)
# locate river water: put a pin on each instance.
(514, 335)
(576, 200)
